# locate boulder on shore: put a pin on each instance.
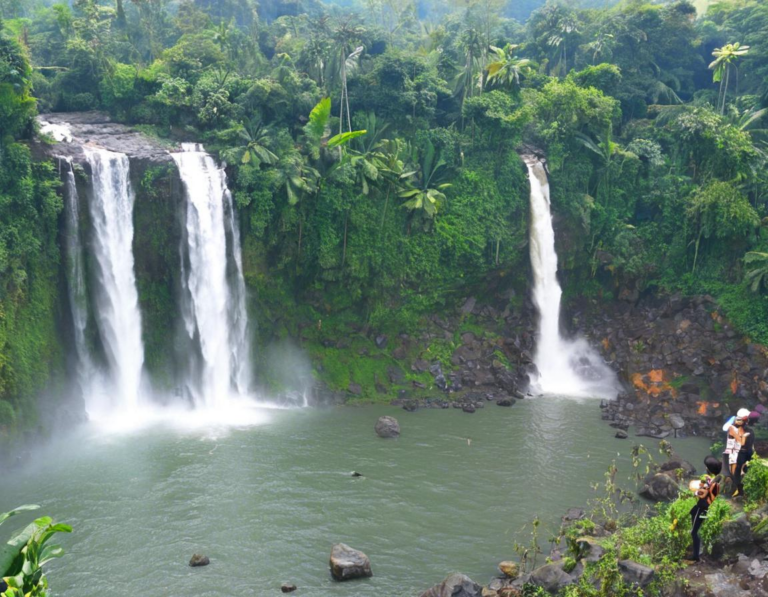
(660, 488)
(509, 569)
(551, 577)
(636, 574)
(199, 560)
(455, 585)
(387, 427)
(347, 563)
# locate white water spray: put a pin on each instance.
(116, 297)
(566, 367)
(216, 316)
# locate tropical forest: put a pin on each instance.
(355, 298)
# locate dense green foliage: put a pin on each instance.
(651, 115)
(29, 207)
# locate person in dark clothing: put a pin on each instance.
(746, 452)
(706, 494)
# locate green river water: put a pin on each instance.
(266, 502)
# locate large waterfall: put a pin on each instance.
(213, 301)
(566, 367)
(116, 298)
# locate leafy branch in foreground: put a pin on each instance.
(23, 556)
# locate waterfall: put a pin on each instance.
(566, 367)
(116, 298)
(77, 292)
(213, 286)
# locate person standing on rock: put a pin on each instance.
(746, 451)
(706, 493)
(730, 442)
(734, 442)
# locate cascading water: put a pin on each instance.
(116, 298)
(215, 316)
(567, 367)
(78, 298)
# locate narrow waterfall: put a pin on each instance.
(116, 298)
(566, 367)
(75, 267)
(215, 316)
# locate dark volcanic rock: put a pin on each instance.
(551, 577)
(387, 427)
(455, 585)
(660, 488)
(347, 563)
(199, 560)
(636, 574)
(96, 128)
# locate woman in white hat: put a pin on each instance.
(746, 440)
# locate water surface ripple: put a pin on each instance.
(266, 503)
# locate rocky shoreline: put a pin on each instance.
(681, 364)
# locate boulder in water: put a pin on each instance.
(455, 585)
(621, 434)
(348, 564)
(505, 401)
(387, 427)
(198, 560)
(468, 408)
(288, 587)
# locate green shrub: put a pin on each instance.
(756, 483)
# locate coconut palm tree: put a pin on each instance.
(254, 139)
(506, 70)
(724, 62)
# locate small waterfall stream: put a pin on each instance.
(77, 290)
(214, 289)
(566, 367)
(116, 298)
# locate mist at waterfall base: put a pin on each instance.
(216, 389)
(568, 367)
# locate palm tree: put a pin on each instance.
(343, 60)
(601, 46)
(757, 276)
(465, 84)
(565, 27)
(426, 196)
(725, 59)
(507, 69)
(254, 140)
(605, 149)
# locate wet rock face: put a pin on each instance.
(679, 358)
